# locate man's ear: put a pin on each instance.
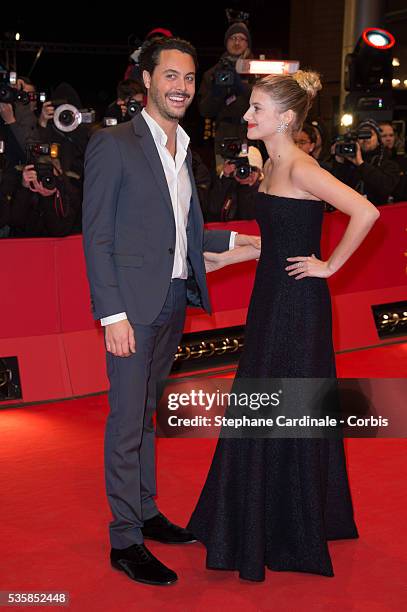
(146, 79)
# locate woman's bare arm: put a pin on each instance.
(215, 261)
(311, 178)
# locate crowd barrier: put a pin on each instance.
(45, 318)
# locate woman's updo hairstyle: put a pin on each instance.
(294, 92)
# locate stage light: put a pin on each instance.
(369, 76)
(260, 66)
(378, 38)
(370, 66)
(395, 61)
(346, 120)
(395, 82)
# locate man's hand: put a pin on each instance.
(228, 168)
(244, 240)
(358, 159)
(30, 181)
(122, 104)
(7, 113)
(47, 112)
(120, 339)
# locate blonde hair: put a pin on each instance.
(294, 92)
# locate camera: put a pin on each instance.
(44, 170)
(67, 117)
(231, 147)
(8, 81)
(225, 73)
(346, 145)
(133, 107)
(9, 93)
(236, 152)
(243, 167)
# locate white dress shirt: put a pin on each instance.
(179, 186)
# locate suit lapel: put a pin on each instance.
(195, 213)
(149, 149)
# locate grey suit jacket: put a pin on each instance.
(129, 227)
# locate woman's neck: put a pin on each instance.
(279, 147)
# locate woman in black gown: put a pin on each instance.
(276, 502)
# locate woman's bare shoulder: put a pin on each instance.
(303, 162)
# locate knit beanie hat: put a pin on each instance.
(238, 28)
(372, 124)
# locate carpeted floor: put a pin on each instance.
(54, 516)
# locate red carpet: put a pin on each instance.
(54, 519)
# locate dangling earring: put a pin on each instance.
(282, 128)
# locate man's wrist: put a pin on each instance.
(121, 316)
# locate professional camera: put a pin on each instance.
(44, 170)
(225, 73)
(345, 145)
(231, 147)
(236, 152)
(133, 107)
(8, 81)
(39, 96)
(67, 117)
(9, 92)
(243, 167)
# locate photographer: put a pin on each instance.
(128, 91)
(19, 121)
(35, 210)
(369, 171)
(224, 95)
(398, 156)
(232, 194)
(72, 143)
(306, 139)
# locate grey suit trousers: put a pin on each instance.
(130, 436)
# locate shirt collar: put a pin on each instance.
(160, 136)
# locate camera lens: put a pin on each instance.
(133, 107)
(243, 172)
(66, 117)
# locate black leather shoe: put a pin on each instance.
(140, 564)
(161, 529)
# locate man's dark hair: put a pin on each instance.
(129, 87)
(150, 52)
(26, 80)
(310, 132)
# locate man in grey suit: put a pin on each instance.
(144, 241)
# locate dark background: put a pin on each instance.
(95, 75)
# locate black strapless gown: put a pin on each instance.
(276, 502)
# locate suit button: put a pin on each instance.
(171, 251)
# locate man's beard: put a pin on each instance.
(163, 110)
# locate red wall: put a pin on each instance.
(45, 316)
